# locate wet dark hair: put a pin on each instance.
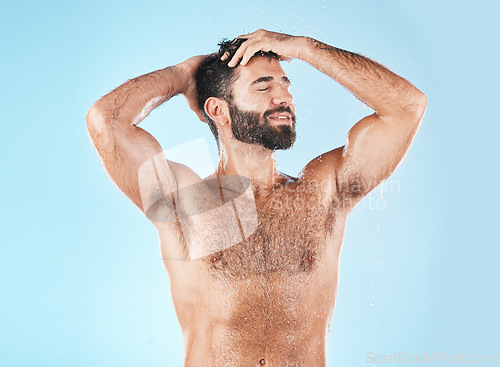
(215, 79)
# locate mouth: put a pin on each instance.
(281, 118)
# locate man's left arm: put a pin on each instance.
(377, 143)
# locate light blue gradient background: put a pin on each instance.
(81, 278)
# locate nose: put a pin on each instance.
(282, 97)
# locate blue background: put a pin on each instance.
(81, 278)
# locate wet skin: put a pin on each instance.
(254, 274)
(269, 299)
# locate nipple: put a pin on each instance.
(307, 260)
(217, 260)
(308, 256)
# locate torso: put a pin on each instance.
(267, 300)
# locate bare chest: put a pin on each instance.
(289, 238)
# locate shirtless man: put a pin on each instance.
(253, 253)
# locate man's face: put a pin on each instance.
(262, 110)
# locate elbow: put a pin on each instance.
(418, 106)
(95, 120)
(413, 109)
(421, 104)
(95, 115)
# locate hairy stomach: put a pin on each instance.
(279, 321)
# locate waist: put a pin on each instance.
(256, 345)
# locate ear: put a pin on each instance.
(218, 110)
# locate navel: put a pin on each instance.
(262, 361)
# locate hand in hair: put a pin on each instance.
(285, 45)
(189, 91)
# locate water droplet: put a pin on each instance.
(378, 227)
(375, 263)
(372, 304)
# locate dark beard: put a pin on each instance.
(248, 127)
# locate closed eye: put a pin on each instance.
(263, 89)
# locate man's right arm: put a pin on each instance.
(124, 147)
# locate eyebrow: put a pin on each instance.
(265, 79)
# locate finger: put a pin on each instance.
(244, 53)
(250, 51)
(241, 50)
(234, 61)
(238, 54)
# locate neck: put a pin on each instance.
(248, 160)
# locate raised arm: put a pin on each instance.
(132, 157)
(377, 143)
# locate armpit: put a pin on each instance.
(351, 190)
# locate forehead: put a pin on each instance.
(259, 67)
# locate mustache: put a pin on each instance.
(279, 109)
